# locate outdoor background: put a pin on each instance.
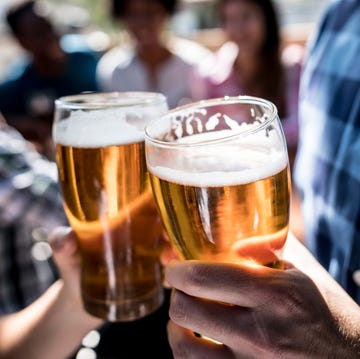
(195, 20)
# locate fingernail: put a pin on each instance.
(58, 237)
(57, 243)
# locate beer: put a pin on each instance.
(225, 203)
(109, 204)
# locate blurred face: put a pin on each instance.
(36, 35)
(244, 24)
(145, 21)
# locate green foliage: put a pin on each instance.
(98, 11)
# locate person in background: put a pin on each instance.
(30, 208)
(327, 168)
(27, 94)
(308, 310)
(150, 61)
(252, 61)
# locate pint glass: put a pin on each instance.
(220, 176)
(108, 200)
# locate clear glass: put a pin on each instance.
(220, 176)
(107, 197)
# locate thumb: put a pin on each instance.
(65, 251)
(66, 255)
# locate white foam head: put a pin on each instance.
(100, 128)
(251, 159)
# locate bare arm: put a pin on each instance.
(54, 325)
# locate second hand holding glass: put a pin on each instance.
(108, 200)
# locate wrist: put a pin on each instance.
(70, 304)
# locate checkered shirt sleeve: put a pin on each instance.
(327, 169)
(30, 207)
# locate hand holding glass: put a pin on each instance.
(220, 176)
(108, 200)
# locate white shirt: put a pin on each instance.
(120, 69)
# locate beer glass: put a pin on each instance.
(108, 201)
(220, 176)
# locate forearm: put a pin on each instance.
(345, 311)
(53, 326)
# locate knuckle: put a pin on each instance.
(178, 311)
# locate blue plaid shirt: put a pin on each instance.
(327, 169)
(30, 207)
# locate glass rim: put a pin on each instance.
(241, 99)
(104, 100)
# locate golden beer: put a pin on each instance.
(226, 223)
(109, 203)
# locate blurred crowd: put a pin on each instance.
(55, 62)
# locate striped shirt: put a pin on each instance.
(30, 207)
(327, 169)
